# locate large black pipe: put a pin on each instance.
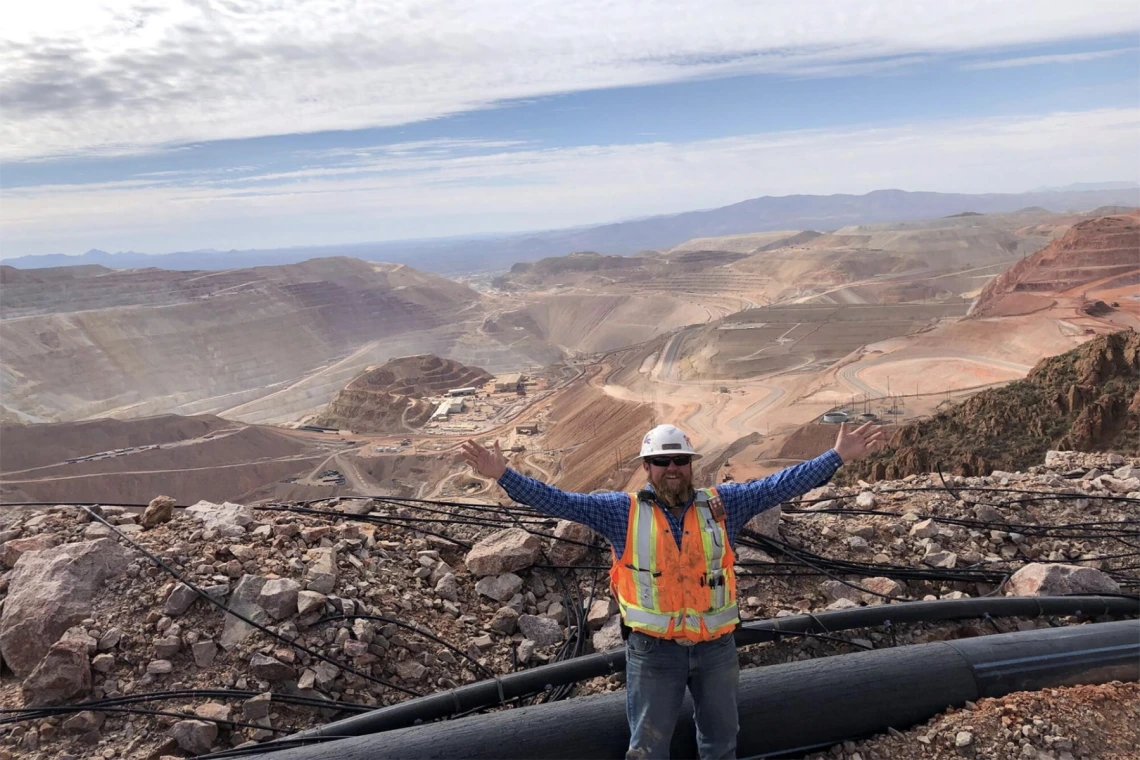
(492, 692)
(783, 708)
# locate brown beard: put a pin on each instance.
(674, 494)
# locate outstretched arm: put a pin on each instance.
(606, 512)
(745, 500)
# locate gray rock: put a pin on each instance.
(941, 559)
(600, 613)
(541, 630)
(103, 663)
(503, 552)
(84, 722)
(767, 523)
(167, 646)
(410, 670)
(834, 590)
(110, 639)
(924, 529)
(278, 597)
(308, 601)
(448, 588)
(609, 636)
(562, 552)
(180, 599)
(500, 588)
(194, 736)
(270, 668)
(256, 707)
(505, 621)
(1038, 579)
(204, 653)
(320, 574)
(48, 592)
(216, 515)
(63, 674)
(243, 600)
(159, 667)
(865, 500)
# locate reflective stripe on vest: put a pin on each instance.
(642, 576)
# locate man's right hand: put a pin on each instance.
(488, 463)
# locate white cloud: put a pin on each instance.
(426, 195)
(82, 77)
(1036, 60)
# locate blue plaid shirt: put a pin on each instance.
(608, 512)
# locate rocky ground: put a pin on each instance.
(87, 617)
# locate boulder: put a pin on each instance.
(217, 515)
(448, 588)
(270, 668)
(600, 613)
(865, 500)
(194, 736)
(505, 621)
(320, 573)
(609, 637)
(48, 592)
(541, 630)
(1038, 579)
(160, 510)
(833, 590)
(881, 585)
(180, 599)
(503, 552)
(924, 529)
(11, 551)
(767, 523)
(243, 600)
(501, 587)
(278, 597)
(564, 553)
(63, 674)
(308, 601)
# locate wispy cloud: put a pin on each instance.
(81, 78)
(523, 188)
(1037, 60)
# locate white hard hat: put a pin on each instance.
(667, 439)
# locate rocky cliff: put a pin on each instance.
(1087, 399)
(1091, 251)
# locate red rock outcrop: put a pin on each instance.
(1089, 252)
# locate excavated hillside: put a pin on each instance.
(1087, 399)
(267, 344)
(394, 398)
(1104, 250)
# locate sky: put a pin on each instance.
(171, 125)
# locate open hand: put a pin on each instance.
(488, 463)
(858, 443)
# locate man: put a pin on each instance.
(673, 577)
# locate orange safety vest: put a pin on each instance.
(687, 593)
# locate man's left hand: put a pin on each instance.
(859, 442)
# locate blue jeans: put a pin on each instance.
(657, 672)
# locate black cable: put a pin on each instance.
(193, 693)
(65, 709)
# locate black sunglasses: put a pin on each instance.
(678, 459)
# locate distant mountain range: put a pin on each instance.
(469, 255)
